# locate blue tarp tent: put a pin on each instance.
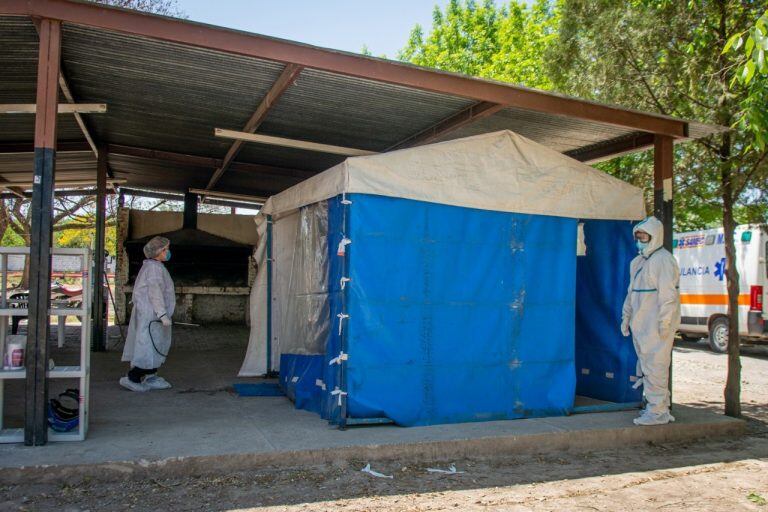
(471, 280)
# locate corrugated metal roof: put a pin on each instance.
(557, 132)
(163, 95)
(169, 97)
(354, 112)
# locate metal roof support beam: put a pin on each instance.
(228, 195)
(111, 182)
(204, 161)
(446, 126)
(57, 193)
(180, 197)
(205, 36)
(28, 147)
(63, 108)
(286, 78)
(612, 148)
(291, 143)
(67, 92)
(99, 334)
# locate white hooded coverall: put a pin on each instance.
(652, 313)
(153, 297)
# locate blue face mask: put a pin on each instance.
(641, 245)
(167, 255)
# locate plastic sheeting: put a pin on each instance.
(446, 326)
(255, 362)
(445, 310)
(449, 314)
(305, 317)
(500, 171)
(606, 362)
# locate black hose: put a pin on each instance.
(149, 328)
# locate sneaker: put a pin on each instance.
(648, 418)
(139, 387)
(155, 382)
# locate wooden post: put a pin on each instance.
(99, 342)
(35, 420)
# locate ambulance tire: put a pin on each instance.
(718, 335)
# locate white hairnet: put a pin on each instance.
(155, 246)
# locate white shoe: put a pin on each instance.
(139, 387)
(155, 382)
(649, 418)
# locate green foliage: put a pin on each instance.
(504, 42)
(757, 499)
(664, 56)
(80, 237)
(752, 73)
(11, 239)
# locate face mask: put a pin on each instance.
(167, 255)
(641, 245)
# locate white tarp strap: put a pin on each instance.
(638, 383)
(338, 359)
(343, 281)
(319, 383)
(344, 199)
(342, 249)
(339, 393)
(341, 317)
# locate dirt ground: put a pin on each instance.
(723, 475)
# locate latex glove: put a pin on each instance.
(166, 321)
(625, 326)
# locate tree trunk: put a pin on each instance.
(733, 382)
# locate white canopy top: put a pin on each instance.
(500, 171)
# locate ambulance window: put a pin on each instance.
(710, 240)
(746, 237)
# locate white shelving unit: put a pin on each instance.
(81, 372)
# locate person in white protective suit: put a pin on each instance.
(651, 313)
(149, 330)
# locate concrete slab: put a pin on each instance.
(201, 427)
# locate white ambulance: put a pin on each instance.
(703, 293)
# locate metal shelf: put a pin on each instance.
(13, 374)
(65, 372)
(12, 435)
(58, 309)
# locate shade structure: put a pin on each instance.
(439, 285)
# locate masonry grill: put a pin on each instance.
(198, 258)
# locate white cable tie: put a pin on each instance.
(295, 379)
(338, 359)
(638, 383)
(341, 317)
(344, 281)
(344, 199)
(339, 393)
(342, 249)
(319, 383)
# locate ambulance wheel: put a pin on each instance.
(718, 335)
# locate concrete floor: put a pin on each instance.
(200, 426)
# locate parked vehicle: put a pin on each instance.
(703, 293)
